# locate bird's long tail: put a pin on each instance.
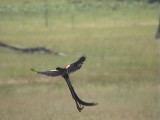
(79, 106)
(79, 100)
(75, 95)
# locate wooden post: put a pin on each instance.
(46, 13)
(158, 31)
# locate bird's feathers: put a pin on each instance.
(74, 95)
(70, 68)
(52, 73)
(64, 73)
(76, 65)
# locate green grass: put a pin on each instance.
(120, 73)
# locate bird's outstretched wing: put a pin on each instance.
(52, 73)
(76, 65)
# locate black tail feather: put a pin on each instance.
(75, 95)
(80, 101)
(79, 106)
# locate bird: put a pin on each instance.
(64, 72)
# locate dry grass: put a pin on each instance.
(47, 101)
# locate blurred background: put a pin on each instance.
(120, 73)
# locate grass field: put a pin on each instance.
(120, 73)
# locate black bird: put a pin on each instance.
(64, 72)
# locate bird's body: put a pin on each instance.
(64, 72)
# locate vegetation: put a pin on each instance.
(120, 73)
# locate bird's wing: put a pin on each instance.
(52, 73)
(76, 65)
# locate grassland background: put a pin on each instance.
(121, 71)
